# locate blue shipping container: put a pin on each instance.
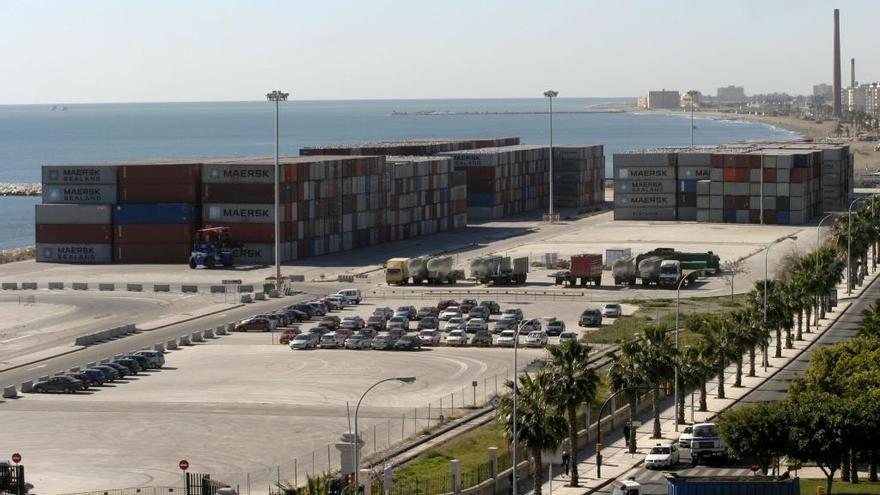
(687, 186)
(147, 214)
(783, 217)
(480, 199)
(729, 216)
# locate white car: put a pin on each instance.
(662, 455)
(357, 320)
(456, 323)
(332, 340)
(399, 322)
(429, 337)
(536, 339)
(612, 310)
(355, 296)
(684, 440)
(475, 325)
(567, 337)
(450, 312)
(513, 314)
(456, 338)
(304, 341)
(506, 339)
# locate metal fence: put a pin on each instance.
(149, 490)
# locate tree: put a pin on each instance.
(657, 358)
(571, 382)
(815, 426)
(730, 269)
(721, 342)
(759, 431)
(693, 371)
(870, 324)
(315, 485)
(539, 425)
(625, 373)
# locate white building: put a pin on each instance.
(731, 94)
(872, 99)
(664, 99)
(855, 98)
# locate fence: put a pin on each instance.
(149, 490)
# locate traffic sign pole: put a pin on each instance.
(184, 465)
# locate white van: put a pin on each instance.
(353, 295)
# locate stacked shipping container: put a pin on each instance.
(424, 196)
(578, 176)
(70, 233)
(645, 186)
(413, 147)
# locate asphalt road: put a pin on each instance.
(776, 388)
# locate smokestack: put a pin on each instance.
(835, 98)
(852, 68)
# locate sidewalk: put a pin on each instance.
(616, 459)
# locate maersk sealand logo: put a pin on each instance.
(53, 175)
(215, 173)
(48, 252)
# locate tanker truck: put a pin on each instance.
(430, 269)
(440, 271)
(624, 271)
(649, 270)
(418, 269)
(500, 270)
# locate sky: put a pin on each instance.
(83, 51)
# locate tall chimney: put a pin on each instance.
(835, 98)
(852, 68)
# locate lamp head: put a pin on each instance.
(277, 96)
(551, 94)
(406, 379)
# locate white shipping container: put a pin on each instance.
(74, 253)
(613, 254)
(71, 214)
(79, 194)
(238, 174)
(79, 174)
(652, 173)
(644, 186)
(241, 213)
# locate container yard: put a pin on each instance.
(769, 183)
(413, 147)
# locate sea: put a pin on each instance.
(36, 135)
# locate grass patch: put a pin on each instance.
(808, 487)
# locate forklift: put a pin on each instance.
(212, 247)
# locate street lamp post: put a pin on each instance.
(550, 94)
(677, 308)
(356, 437)
(277, 97)
(515, 387)
(693, 94)
(766, 275)
(849, 281)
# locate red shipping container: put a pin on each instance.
(797, 175)
(154, 234)
(729, 202)
(769, 175)
(152, 253)
(717, 161)
(754, 216)
(742, 175)
(770, 217)
(586, 265)
(160, 173)
(754, 161)
(729, 174)
(159, 193)
(74, 234)
(245, 193)
(742, 202)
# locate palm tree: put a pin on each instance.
(315, 485)
(721, 343)
(870, 324)
(571, 382)
(778, 311)
(626, 372)
(539, 425)
(657, 358)
(742, 335)
(693, 371)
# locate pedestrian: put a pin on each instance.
(626, 432)
(565, 461)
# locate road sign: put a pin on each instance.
(184, 465)
(755, 468)
(16, 457)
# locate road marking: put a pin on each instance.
(37, 367)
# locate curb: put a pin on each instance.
(79, 348)
(212, 313)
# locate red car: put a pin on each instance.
(288, 335)
(329, 321)
(261, 324)
(446, 303)
(467, 304)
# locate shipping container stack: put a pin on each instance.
(837, 173)
(645, 186)
(578, 176)
(691, 168)
(158, 212)
(423, 197)
(410, 147)
(504, 181)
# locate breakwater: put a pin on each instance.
(27, 189)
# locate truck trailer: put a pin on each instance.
(424, 269)
(500, 270)
(584, 268)
(624, 271)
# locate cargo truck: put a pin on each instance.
(624, 271)
(672, 272)
(712, 260)
(500, 270)
(706, 445)
(397, 271)
(649, 270)
(430, 269)
(583, 267)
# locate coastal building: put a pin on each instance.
(664, 99)
(823, 91)
(642, 102)
(872, 99)
(856, 98)
(732, 94)
(686, 99)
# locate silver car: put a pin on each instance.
(304, 341)
(456, 323)
(382, 342)
(357, 341)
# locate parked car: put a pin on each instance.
(456, 338)
(59, 384)
(320, 331)
(385, 312)
(358, 322)
(446, 303)
(355, 296)
(382, 342)
(493, 307)
(478, 312)
(111, 373)
(429, 337)
(133, 366)
(306, 308)
(399, 322)
(512, 313)
(357, 341)
(334, 303)
(296, 315)
(122, 370)
(97, 377)
(395, 333)
(411, 311)
(332, 340)
(404, 314)
(82, 377)
(475, 325)
(320, 308)
(156, 359)
(288, 335)
(450, 312)
(684, 440)
(456, 323)
(504, 324)
(330, 321)
(612, 310)
(536, 339)
(369, 331)
(377, 321)
(142, 360)
(506, 339)
(258, 324)
(467, 304)
(408, 343)
(429, 323)
(662, 455)
(528, 326)
(305, 341)
(590, 318)
(427, 311)
(275, 319)
(482, 338)
(567, 337)
(555, 328)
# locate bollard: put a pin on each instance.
(9, 285)
(230, 327)
(10, 392)
(171, 344)
(29, 285)
(274, 293)
(27, 387)
(189, 288)
(134, 287)
(209, 333)
(221, 330)
(197, 336)
(56, 285)
(161, 288)
(130, 328)
(218, 289)
(246, 298)
(159, 347)
(184, 340)
(106, 287)
(80, 286)
(260, 296)
(92, 364)
(455, 468)
(105, 361)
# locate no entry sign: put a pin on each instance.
(184, 465)
(16, 457)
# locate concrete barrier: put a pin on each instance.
(27, 387)
(246, 298)
(117, 332)
(209, 333)
(105, 361)
(161, 288)
(84, 340)
(160, 347)
(56, 285)
(260, 296)
(274, 293)
(189, 288)
(218, 289)
(130, 328)
(230, 327)
(44, 378)
(74, 369)
(80, 286)
(91, 365)
(29, 286)
(197, 336)
(171, 345)
(106, 287)
(184, 340)
(221, 330)
(9, 285)
(245, 288)
(134, 287)
(345, 278)
(10, 392)
(297, 278)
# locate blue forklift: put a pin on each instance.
(211, 248)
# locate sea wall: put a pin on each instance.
(32, 189)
